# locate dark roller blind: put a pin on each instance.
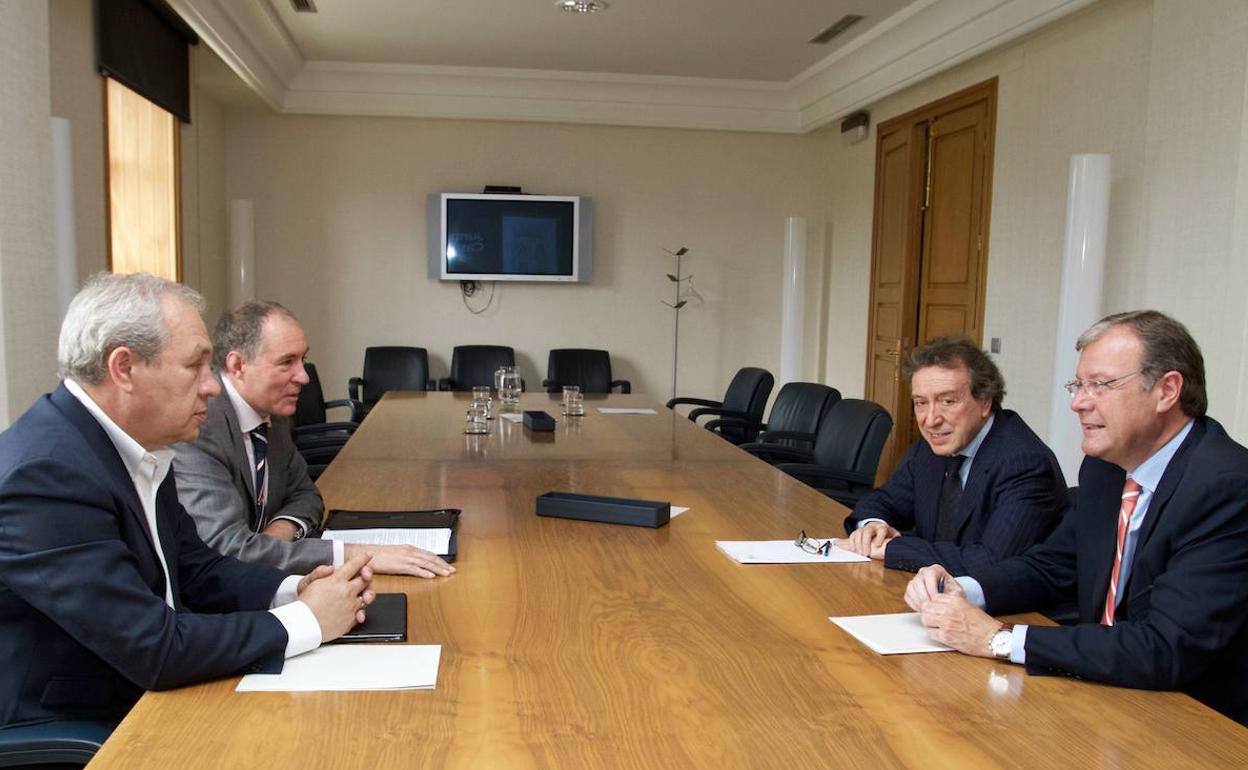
(143, 45)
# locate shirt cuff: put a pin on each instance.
(303, 632)
(865, 522)
(1018, 642)
(303, 529)
(974, 591)
(287, 592)
(340, 552)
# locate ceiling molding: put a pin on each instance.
(922, 39)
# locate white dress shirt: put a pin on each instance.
(147, 471)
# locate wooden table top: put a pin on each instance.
(569, 644)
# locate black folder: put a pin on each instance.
(385, 620)
(439, 518)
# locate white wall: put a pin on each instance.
(1160, 86)
(340, 238)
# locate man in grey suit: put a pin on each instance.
(242, 480)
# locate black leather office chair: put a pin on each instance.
(52, 744)
(317, 439)
(590, 369)
(846, 455)
(796, 414)
(389, 368)
(745, 400)
(473, 366)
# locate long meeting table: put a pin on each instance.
(570, 644)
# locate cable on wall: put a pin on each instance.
(469, 289)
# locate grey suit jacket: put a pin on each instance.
(216, 487)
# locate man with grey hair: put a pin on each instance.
(1156, 549)
(106, 590)
(979, 485)
(242, 479)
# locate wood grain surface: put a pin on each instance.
(569, 644)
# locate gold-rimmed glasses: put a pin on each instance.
(1095, 388)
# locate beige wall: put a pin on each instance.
(204, 256)
(340, 237)
(1157, 85)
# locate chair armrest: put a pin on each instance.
(66, 742)
(318, 429)
(354, 386)
(693, 401)
(344, 403)
(624, 385)
(778, 453)
(821, 477)
(696, 414)
(444, 383)
(769, 436)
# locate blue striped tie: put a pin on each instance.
(260, 447)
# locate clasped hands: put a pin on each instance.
(869, 540)
(337, 596)
(950, 619)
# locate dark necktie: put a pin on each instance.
(950, 493)
(260, 448)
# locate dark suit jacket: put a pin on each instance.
(85, 624)
(1181, 622)
(217, 487)
(1014, 496)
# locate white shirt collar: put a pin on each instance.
(152, 465)
(248, 418)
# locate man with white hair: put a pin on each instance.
(106, 590)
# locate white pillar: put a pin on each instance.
(1083, 273)
(64, 238)
(793, 300)
(242, 281)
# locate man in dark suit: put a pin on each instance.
(105, 588)
(978, 487)
(1156, 551)
(259, 349)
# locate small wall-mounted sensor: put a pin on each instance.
(854, 127)
(995, 345)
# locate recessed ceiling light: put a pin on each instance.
(581, 6)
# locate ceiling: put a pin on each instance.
(742, 65)
(734, 39)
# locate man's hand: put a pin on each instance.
(869, 540)
(282, 529)
(928, 583)
(338, 597)
(953, 621)
(401, 560)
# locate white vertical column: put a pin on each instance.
(1083, 274)
(242, 281)
(793, 300)
(64, 237)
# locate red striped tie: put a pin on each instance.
(1130, 493)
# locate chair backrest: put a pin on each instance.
(801, 407)
(393, 368)
(748, 392)
(474, 365)
(310, 408)
(852, 436)
(591, 369)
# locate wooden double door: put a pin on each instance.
(933, 188)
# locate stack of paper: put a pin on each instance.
(626, 410)
(433, 540)
(353, 667)
(782, 552)
(894, 634)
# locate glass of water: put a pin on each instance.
(509, 393)
(475, 420)
(481, 394)
(573, 401)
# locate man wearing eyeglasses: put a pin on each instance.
(1156, 551)
(979, 486)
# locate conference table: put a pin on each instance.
(574, 644)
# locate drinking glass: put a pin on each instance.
(573, 401)
(509, 393)
(481, 393)
(475, 421)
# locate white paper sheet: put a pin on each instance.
(783, 552)
(435, 540)
(626, 410)
(676, 511)
(896, 634)
(353, 667)
(512, 416)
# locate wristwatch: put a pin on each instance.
(1001, 641)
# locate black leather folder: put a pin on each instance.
(438, 518)
(385, 621)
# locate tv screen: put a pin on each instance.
(511, 237)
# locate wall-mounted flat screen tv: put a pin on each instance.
(482, 237)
